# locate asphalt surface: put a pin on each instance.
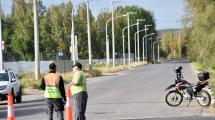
(135, 94)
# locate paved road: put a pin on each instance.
(136, 94)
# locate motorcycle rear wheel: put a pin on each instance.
(203, 98)
(174, 98)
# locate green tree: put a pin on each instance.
(81, 31)
(22, 17)
(200, 30)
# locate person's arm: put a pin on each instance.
(42, 85)
(76, 79)
(62, 88)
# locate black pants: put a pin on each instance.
(80, 103)
(56, 105)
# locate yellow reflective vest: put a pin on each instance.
(52, 90)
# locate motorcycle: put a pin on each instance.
(182, 89)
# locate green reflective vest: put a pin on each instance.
(80, 79)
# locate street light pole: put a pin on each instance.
(107, 39)
(143, 50)
(123, 40)
(129, 50)
(158, 52)
(154, 49)
(146, 40)
(138, 39)
(107, 46)
(113, 36)
(129, 39)
(135, 37)
(123, 47)
(1, 56)
(89, 37)
(36, 42)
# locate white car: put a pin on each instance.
(10, 83)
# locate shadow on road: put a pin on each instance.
(24, 108)
(27, 112)
(26, 104)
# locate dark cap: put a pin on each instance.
(52, 66)
(78, 65)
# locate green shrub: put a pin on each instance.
(34, 84)
(213, 66)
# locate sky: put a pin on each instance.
(166, 12)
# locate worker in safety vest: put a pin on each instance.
(79, 92)
(54, 93)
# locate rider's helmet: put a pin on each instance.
(178, 69)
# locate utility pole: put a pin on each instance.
(36, 42)
(89, 37)
(73, 38)
(1, 55)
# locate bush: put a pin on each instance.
(34, 84)
(213, 66)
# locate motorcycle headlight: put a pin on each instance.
(3, 87)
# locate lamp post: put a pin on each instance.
(1, 56)
(154, 49)
(107, 39)
(113, 36)
(146, 39)
(159, 52)
(123, 40)
(89, 36)
(129, 40)
(135, 36)
(138, 40)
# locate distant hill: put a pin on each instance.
(175, 31)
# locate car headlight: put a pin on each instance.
(3, 87)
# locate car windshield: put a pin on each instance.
(4, 77)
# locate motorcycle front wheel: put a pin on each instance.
(174, 98)
(203, 98)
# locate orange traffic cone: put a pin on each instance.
(68, 105)
(10, 110)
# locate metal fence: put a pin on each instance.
(20, 67)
